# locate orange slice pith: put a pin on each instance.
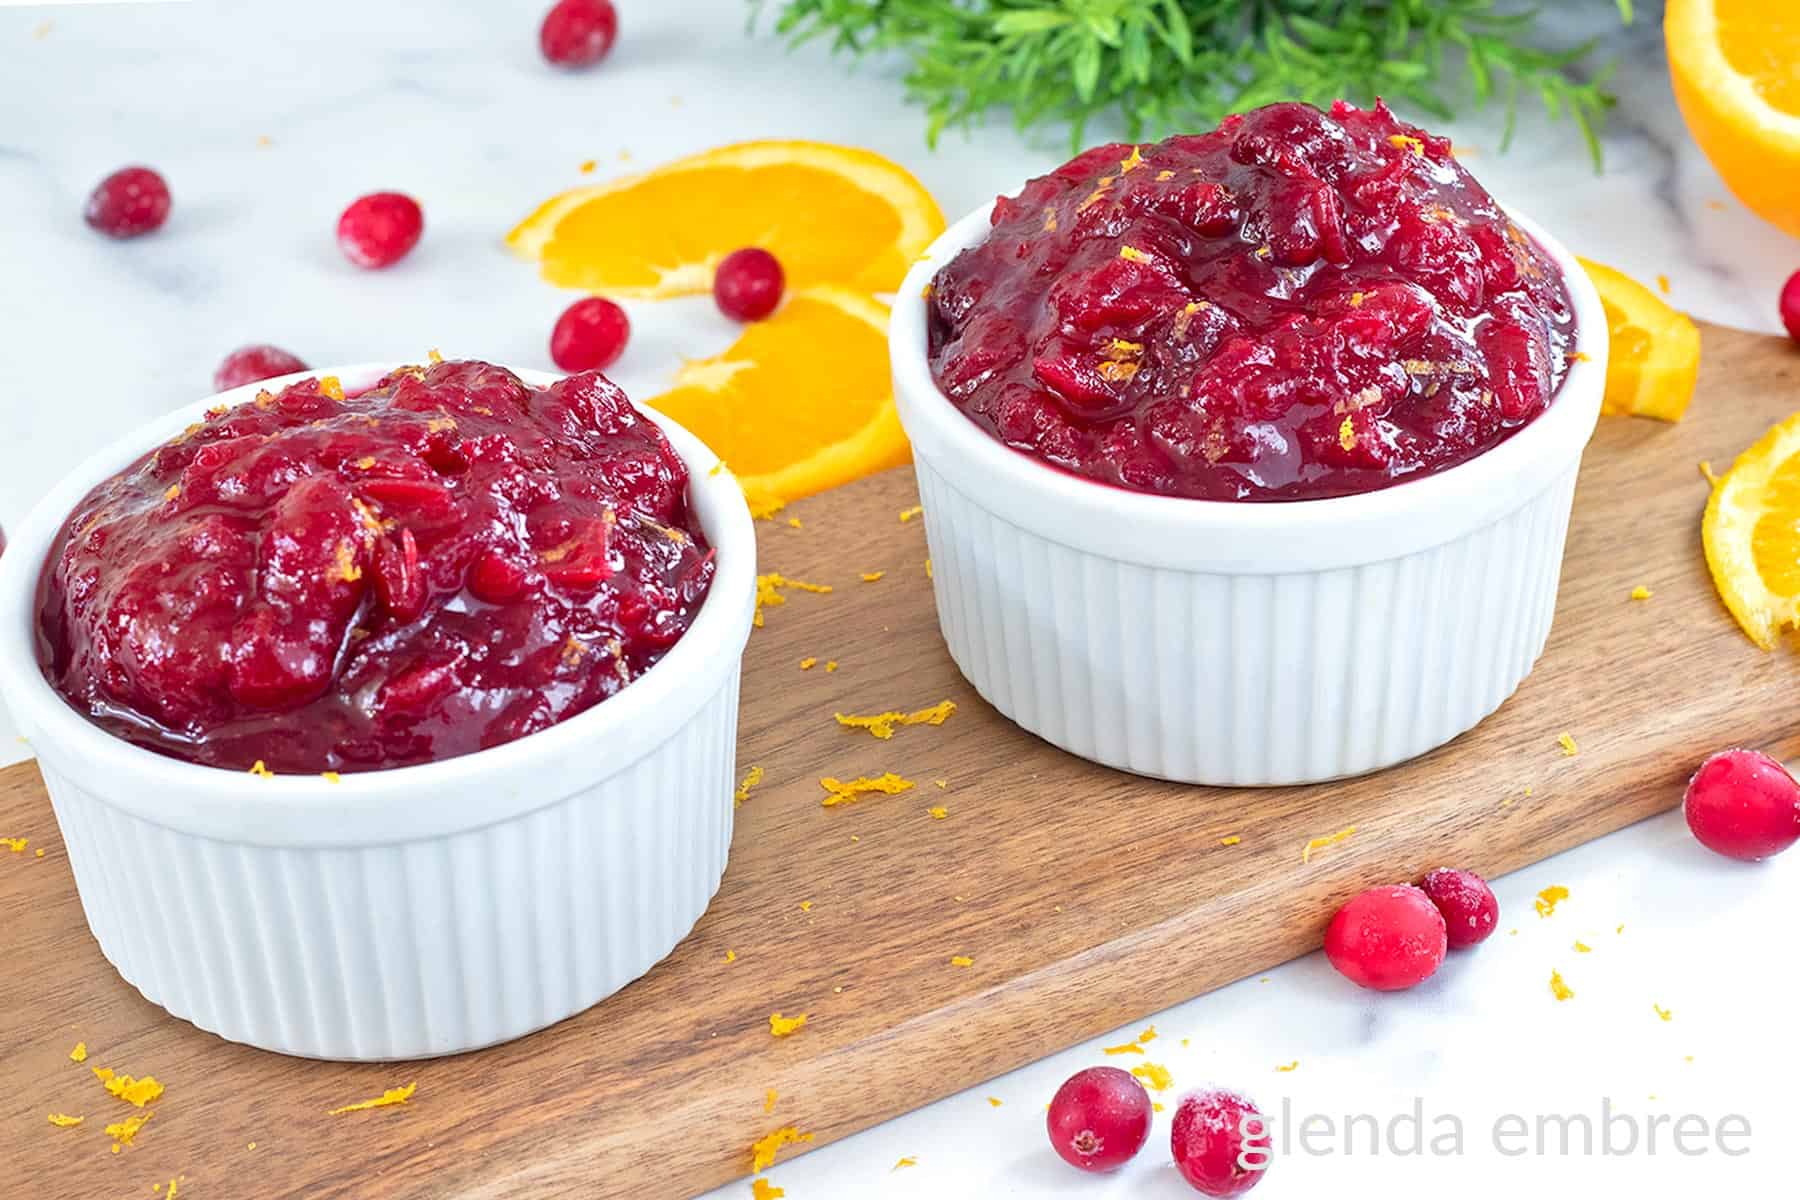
(831, 214)
(801, 401)
(1751, 532)
(1735, 66)
(1655, 356)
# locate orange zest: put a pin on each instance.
(840, 792)
(882, 725)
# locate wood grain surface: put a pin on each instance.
(1085, 897)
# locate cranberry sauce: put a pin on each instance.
(1293, 306)
(446, 562)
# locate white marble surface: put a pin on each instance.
(452, 103)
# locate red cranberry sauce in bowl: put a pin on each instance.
(445, 562)
(1297, 305)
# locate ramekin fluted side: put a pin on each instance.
(1236, 678)
(415, 948)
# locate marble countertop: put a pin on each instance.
(267, 124)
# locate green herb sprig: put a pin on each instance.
(1168, 65)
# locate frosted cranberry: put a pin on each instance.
(1744, 805)
(1467, 903)
(1387, 939)
(1220, 1142)
(377, 230)
(1790, 305)
(590, 335)
(748, 284)
(251, 364)
(129, 202)
(1099, 1118)
(578, 33)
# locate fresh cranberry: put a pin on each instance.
(748, 284)
(1790, 305)
(1387, 939)
(1743, 804)
(590, 335)
(378, 229)
(1467, 903)
(1099, 1118)
(251, 364)
(1220, 1142)
(128, 203)
(578, 33)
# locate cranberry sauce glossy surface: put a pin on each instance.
(1294, 306)
(446, 562)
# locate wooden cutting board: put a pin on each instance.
(1086, 898)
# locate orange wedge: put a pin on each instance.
(831, 214)
(1735, 65)
(800, 402)
(1751, 532)
(1655, 354)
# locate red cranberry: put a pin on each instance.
(1467, 904)
(1387, 939)
(1790, 305)
(578, 33)
(378, 229)
(1099, 1118)
(748, 284)
(1220, 1142)
(129, 202)
(251, 364)
(590, 335)
(1744, 805)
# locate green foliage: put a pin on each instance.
(1166, 65)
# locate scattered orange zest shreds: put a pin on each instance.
(329, 386)
(830, 665)
(751, 778)
(807, 664)
(1320, 843)
(1707, 472)
(1666, 1014)
(135, 1092)
(764, 1150)
(1403, 142)
(806, 906)
(762, 1189)
(1127, 1048)
(79, 1053)
(1662, 282)
(731, 956)
(1133, 254)
(872, 576)
(937, 812)
(587, 168)
(1156, 1077)
(768, 592)
(908, 1161)
(1583, 948)
(16, 845)
(769, 1098)
(1148, 1036)
(125, 1131)
(907, 514)
(994, 1101)
(1640, 592)
(260, 771)
(1558, 988)
(961, 960)
(928, 573)
(1233, 840)
(1293, 1066)
(780, 1026)
(882, 725)
(399, 1095)
(170, 1194)
(794, 523)
(1347, 434)
(840, 792)
(1568, 745)
(62, 1121)
(1549, 898)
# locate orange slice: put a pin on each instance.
(800, 402)
(1751, 532)
(1655, 354)
(831, 214)
(1735, 65)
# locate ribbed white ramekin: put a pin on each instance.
(411, 912)
(1243, 644)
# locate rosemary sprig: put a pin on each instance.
(1167, 65)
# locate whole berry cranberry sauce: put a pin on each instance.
(446, 562)
(1293, 306)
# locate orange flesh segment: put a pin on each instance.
(1775, 544)
(1761, 41)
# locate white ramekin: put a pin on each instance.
(410, 912)
(1243, 644)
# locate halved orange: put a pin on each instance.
(1735, 65)
(1655, 354)
(1751, 532)
(831, 214)
(801, 402)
